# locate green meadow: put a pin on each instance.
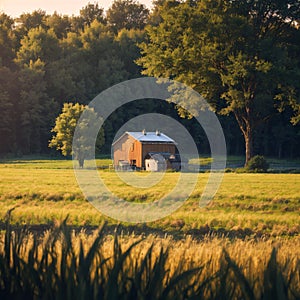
(45, 190)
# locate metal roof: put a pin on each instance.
(150, 137)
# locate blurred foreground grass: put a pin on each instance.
(62, 264)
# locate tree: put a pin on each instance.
(90, 13)
(129, 50)
(8, 95)
(27, 21)
(235, 53)
(32, 20)
(6, 40)
(43, 45)
(38, 44)
(33, 108)
(59, 24)
(101, 57)
(64, 130)
(128, 14)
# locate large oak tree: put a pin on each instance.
(237, 54)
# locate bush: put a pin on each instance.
(257, 164)
(241, 170)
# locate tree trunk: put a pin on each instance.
(247, 127)
(81, 162)
(280, 150)
(248, 136)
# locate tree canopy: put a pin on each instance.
(64, 129)
(128, 14)
(243, 56)
(237, 54)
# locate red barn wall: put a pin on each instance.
(133, 151)
(121, 149)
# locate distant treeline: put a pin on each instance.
(47, 60)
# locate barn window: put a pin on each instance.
(132, 148)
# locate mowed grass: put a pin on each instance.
(45, 190)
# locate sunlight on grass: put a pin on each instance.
(60, 263)
(45, 190)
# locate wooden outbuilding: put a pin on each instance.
(134, 147)
(160, 161)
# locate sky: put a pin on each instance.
(14, 8)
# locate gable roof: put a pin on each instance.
(148, 137)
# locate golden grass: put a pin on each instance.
(69, 265)
(264, 203)
(244, 245)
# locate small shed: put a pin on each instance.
(133, 147)
(161, 161)
(155, 162)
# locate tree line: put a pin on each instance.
(242, 56)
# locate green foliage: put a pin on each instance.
(128, 40)
(236, 54)
(90, 13)
(65, 127)
(103, 55)
(32, 20)
(38, 44)
(6, 40)
(81, 145)
(128, 14)
(34, 105)
(7, 91)
(59, 24)
(257, 164)
(46, 60)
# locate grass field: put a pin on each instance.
(244, 245)
(259, 204)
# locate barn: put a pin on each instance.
(134, 148)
